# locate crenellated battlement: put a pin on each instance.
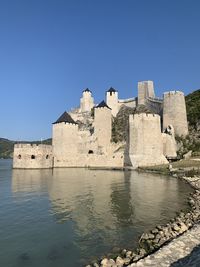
(29, 146)
(65, 124)
(32, 156)
(145, 115)
(170, 93)
(143, 118)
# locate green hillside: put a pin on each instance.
(7, 146)
(193, 108)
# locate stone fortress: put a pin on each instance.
(82, 137)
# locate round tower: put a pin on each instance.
(112, 100)
(87, 101)
(65, 141)
(174, 112)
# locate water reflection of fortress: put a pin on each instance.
(100, 199)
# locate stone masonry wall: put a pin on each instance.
(169, 146)
(145, 147)
(103, 126)
(28, 156)
(65, 144)
(145, 90)
(174, 112)
(131, 103)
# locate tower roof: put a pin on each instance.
(112, 90)
(87, 90)
(102, 105)
(65, 117)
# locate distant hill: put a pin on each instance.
(7, 146)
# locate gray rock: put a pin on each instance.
(145, 236)
(119, 261)
(159, 227)
(127, 261)
(151, 236)
(187, 155)
(129, 254)
(123, 253)
(175, 227)
(154, 231)
(108, 263)
(142, 252)
(183, 228)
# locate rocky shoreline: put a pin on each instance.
(161, 235)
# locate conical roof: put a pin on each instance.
(102, 105)
(87, 90)
(112, 90)
(65, 117)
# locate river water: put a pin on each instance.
(68, 217)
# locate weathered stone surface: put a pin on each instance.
(171, 253)
(187, 155)
(119, 262)
(108, 263)
(145, 140)
(174, 112)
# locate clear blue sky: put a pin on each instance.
(50, 50)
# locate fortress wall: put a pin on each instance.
(111, 160)
(32, 156)
(169, 146)
(145, 89)
(112, 102)
(131, 102)
(92, 160)
(101, 160)
(86, 102)
(103, 126)
(145, 145)
(174, 112)
(154, 106)
(65, 144)
(87, 143)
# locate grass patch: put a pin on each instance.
(190, 167)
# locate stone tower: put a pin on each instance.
(174, 112)
(145, 140)
(65, 141)
(102, 124)
(87, 101)
(112, 100)
(145, 90)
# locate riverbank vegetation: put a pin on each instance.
(186, 167)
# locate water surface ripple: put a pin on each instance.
(67, 217)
